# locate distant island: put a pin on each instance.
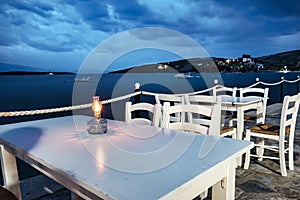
(33, 73)
(15, 69)
(285, 61)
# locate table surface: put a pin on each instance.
(240, 100)
(129, 162)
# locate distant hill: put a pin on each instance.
(187, 65)
(4, 67)
(274, 62)
(12, 69)
(291, 59)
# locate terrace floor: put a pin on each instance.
(261, 181)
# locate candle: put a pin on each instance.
(98, 125)
(97, 107)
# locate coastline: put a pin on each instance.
(34, 73)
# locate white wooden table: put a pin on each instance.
(129, 162)
(240, 105)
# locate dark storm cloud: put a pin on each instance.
(223, 27)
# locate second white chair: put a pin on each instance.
(283, 134)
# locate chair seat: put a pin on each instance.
(250, 117)
(270, 129)
(226, 129)
(6, 195)
(246, 117)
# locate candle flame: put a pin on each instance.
(97, 106)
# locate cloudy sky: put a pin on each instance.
(60, 34)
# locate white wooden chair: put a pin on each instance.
(207, 121)
(253, 93)
(283, 134)
(152, 119)
(211, 102)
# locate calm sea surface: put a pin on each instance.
(30, 92)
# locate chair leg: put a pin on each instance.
(247, 155)
(291, 155)
(260, 149)
(282, 159)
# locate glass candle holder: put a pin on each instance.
(97, 126)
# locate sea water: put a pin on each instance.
(30, 92)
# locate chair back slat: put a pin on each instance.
(142, 106)
(184, 126)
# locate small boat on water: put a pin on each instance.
(187, 75)
(88, 79)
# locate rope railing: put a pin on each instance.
(63, 109)
(43, 111)
(127, 96)
(276, 83)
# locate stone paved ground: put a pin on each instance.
(261, 181)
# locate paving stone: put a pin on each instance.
(238, 192)
(288, 192)
(262, 178)
(255, 186)
(39, 186)
(264, 196)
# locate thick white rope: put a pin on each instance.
(63, 109)
(294, 81)
(43, 111)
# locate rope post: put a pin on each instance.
(216, 81)
(297, 84)
(137, 98)
(257, 80)
(282, 90)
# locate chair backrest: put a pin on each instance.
(225, 91)
(263, 93)
(207, 123)
(154, 112)
(289, 113)
(213, 102)
(173, 100)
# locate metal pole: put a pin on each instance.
(137, 98)
(297, 84)
(282, 90)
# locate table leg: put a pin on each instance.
(10, 172)
(225, 189)
(240, 129)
